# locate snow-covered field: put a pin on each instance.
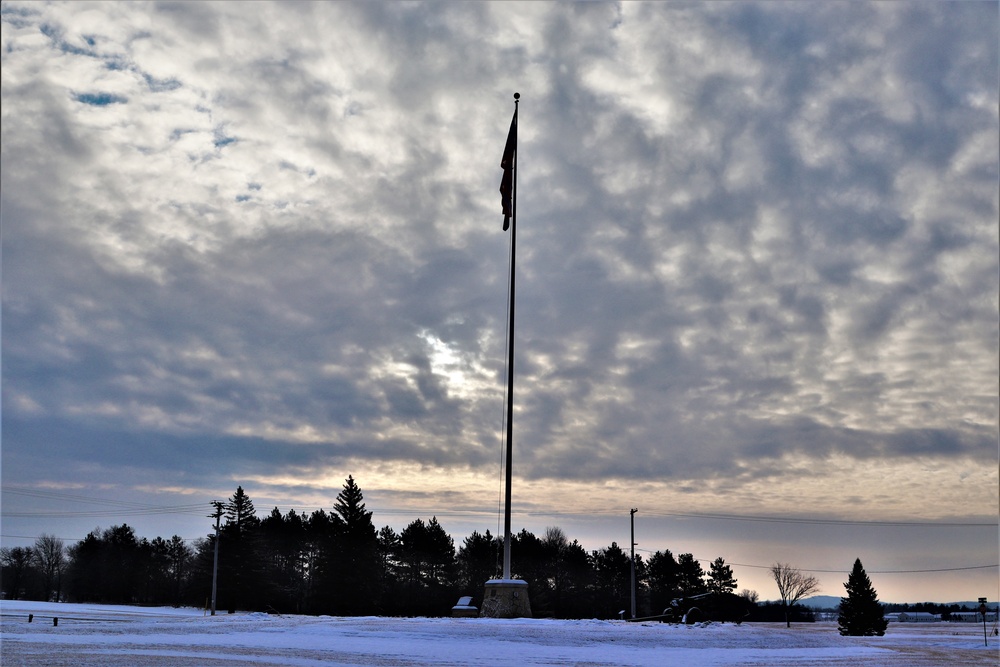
(162, 637)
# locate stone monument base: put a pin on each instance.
(505, 598)
(464, 608)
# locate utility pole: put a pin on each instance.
(983, 609)
(632, 519)
(215, 565)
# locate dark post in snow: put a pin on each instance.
(983, 609)
(507, 597)
(632, 519)
(215, 561)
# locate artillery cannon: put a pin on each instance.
(686, 610)
(722, 607)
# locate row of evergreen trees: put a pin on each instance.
(338, 563)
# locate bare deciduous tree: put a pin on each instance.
(792, 586)
(50, 556)
(16, 563)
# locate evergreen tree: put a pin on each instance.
(354, 559)
(568, 574)
(322, 534)
(240, 564)
(351, 508)
(720, 577)
(477, 562)
(108, 566)
(443, 568)
(861, 614)
(240, 512)
(157, 575)
(122, 566)
(612, 581)
(179, 556)
(663, 580)
(576, 591)
(282, 549)
(83, 574)
(689, 576)
(642, 607)
(528, 557)
(428, 569)
(388, 549)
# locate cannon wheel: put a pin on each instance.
(692, 616)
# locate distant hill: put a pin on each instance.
(821, 602)
(832, 602)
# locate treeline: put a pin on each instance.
(942, 610)
(338, 563)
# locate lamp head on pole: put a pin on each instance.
(517, 96)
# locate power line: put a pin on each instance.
(122, 507)
(829, 522)
(99, 514)
(946, 569)
(80, 539)
(57, 495)
(943, 569)
(137, 508)
(803, 569)
(792, 520)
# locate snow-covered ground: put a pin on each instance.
(162, 637)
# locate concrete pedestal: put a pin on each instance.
(506, 598)
(464, 608)
(467, 611)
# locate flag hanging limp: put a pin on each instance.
(507, 164)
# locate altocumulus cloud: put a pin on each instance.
(265, 239)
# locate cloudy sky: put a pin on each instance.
(757, 273)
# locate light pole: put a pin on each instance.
(632, 520)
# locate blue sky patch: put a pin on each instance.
(100, 99)
(160, 85)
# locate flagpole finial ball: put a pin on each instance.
(517, 96)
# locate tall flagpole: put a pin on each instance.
(510, 357)
(507, 597)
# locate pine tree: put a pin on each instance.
(477, 561)
(239, 560)
(351, 508)
(663, 580)
(720, 577)
(388, 550)
(861, 614)
(352, 565)
(690, 576)
(240, 512)
(612, 580)
(428, 568)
